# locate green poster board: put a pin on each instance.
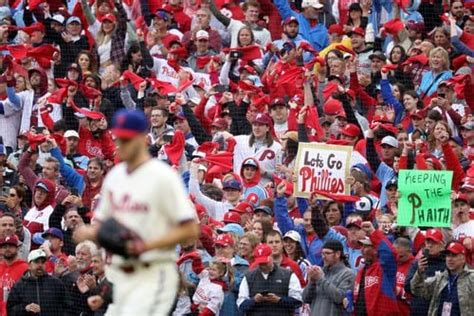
(425, 198)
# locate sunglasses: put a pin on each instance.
(12, 195)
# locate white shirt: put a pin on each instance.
(262, 35)
(294, 289)
(266, 156)
(466, 229)
(151, 201)
(164, 72)
(209, 294)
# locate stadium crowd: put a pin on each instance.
(230, 89)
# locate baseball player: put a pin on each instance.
(144, 199)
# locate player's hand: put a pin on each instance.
(272, 298)
(33, 308)
(259, 298)
(84, 232)
(95, 302)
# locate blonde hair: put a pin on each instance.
(225, 269)
(253, 240)
(444, 55)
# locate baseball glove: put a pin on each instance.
(119, 240)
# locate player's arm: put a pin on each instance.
(184, 231)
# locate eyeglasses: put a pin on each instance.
(326, 253)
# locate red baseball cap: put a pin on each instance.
(462, 197)
(420, 114)
(108, 17)
(242, 208)
(10, 240)
(455, 248)
(263, 118)
(357, 30)
(435, 235)
(262, 254)
(357, 223)
(332, 107)
(224, 240)
(220, 123)
(232, 217)
(350, 130)
(336, 29)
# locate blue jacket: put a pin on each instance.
(384, 173)
(428, 78)
(316, 35)
(312, 249)
(388, 98)
(72, 177)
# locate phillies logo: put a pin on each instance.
(267, 154)
(252, 198)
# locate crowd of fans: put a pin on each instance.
(230, 89)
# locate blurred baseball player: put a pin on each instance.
(146, 197)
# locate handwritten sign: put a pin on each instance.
(425, 198)
(322, 167)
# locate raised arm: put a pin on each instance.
(218, 14)
(88, 12)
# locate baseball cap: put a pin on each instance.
(363, 205)
(263, 118)
(290, 19)
(55, 232)
(420, 114)
(455, 248)
(357, 30)
(469, 125)
(332, 107)
(71, 133)
(59, 18)
(336, 29)
(127, 124)
(468, 185)
(392, 182)
(232, 228)
(201, 34)
(3, 151)
(242, 208)
(220, 123)
(293, 235)
(290, 135)
(36, 254)
(5, 13)
(232, 217)
(262, 254)
(224, 240)
(73, 19)
(390, 140)
(108, 17)
(232, 184)
(250, 162)
(378, 54)
(334, 245)
(265, 209)
(357, 223)
(74, 66)
(350, 130)
(366, 241)
(435, 235)
(277, 101)
(42, 186)
(161, 14)
(462, 197)
(311, 3)
(10, 240)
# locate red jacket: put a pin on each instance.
(102, 147)
(380, 279)
(8, 277)
(403, 298)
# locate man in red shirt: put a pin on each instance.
(404, 262)
(275, 241)
(11, 268)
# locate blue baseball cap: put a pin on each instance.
(161, 14)
(55, 232)
(232, 184)
(127, 124)
(232, 228)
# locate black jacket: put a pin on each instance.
(47, 291)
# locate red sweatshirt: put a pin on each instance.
(9, 274)
(403, 298)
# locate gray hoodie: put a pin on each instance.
(326, 294)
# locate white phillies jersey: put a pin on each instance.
(165, 72)
(150, 201)
(266, 156)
